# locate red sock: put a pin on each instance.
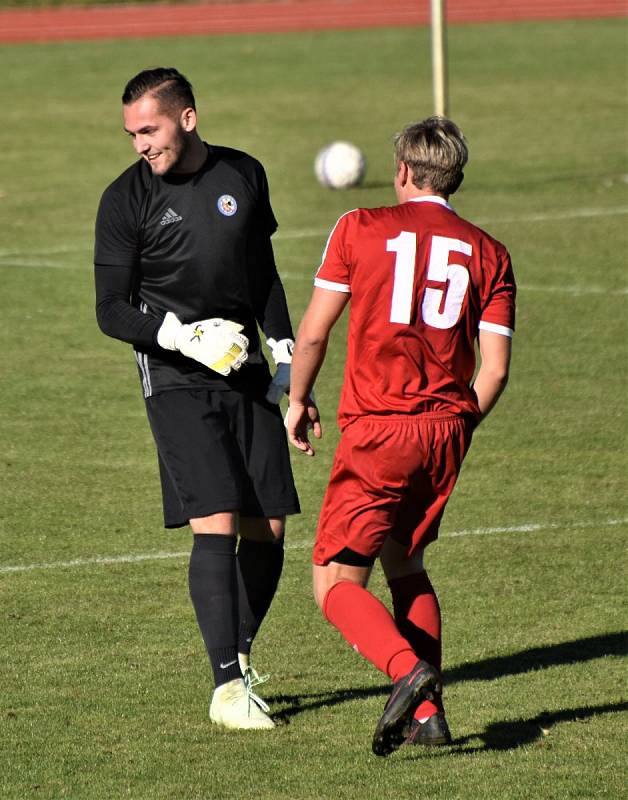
(369, 628)
(418, 618)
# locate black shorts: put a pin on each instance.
(221, 451)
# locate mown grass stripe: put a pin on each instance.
(312, 233)
(530, 527)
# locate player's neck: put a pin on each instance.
(411, 192)
(194, 158)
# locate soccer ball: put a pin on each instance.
(340, 165)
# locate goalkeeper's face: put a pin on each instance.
(164, 141)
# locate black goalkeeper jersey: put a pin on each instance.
(197, 245)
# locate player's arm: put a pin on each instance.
(115, 315)
(495, 334)
(492, 377)
(269, 297)
(309, 353)
(273, 317)
(267, 292)
(115, 261)
(215, 343)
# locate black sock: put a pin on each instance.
(213, 588)
(259, 569)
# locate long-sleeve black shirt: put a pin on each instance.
(197, 245)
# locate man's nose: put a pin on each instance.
(140, 144)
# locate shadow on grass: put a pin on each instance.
(612, 644)
(509, 735)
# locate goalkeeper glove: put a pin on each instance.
(282, 355)
(216, 343)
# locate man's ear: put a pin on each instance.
(188, 119)
(403, 174)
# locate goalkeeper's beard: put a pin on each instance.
(174, 156)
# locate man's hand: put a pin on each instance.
(216, 343)
(282, 355)
(299, 419)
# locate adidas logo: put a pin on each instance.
(169, 217)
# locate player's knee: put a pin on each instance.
(396, 562)
(224, 522)
(277, 528)
(263, 530)
(347, 565)
(319, 597)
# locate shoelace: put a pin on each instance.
(251, 679)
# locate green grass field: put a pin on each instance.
(104, 679)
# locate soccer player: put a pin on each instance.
(424, 285)
(185, 272)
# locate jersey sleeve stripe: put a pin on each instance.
(333, 287)
(341, 217)
(493, 328)
(142, 363)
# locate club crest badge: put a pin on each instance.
(227, 205)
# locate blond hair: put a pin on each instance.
(436, 152)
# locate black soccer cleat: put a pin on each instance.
(421, 683)
(434, 731)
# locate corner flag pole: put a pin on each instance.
(439, 57)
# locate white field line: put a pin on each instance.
(23, 262)
(534, 527)
(531, 527)
(574, 290)
(29, 258)
(575, 213)
(48, 251)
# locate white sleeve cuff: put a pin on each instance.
(491, 327)
(333, 287)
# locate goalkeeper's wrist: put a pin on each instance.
(167, 333)
(281, 350)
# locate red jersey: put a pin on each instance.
(423, 282)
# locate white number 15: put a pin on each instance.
(454, 277)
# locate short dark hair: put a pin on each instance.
(436, 151)
(167, 85)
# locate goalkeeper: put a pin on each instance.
(185, 273)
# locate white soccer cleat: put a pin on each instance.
(251, 679)
(236, 707)
(244, 660)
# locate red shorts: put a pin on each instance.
(391, 476)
